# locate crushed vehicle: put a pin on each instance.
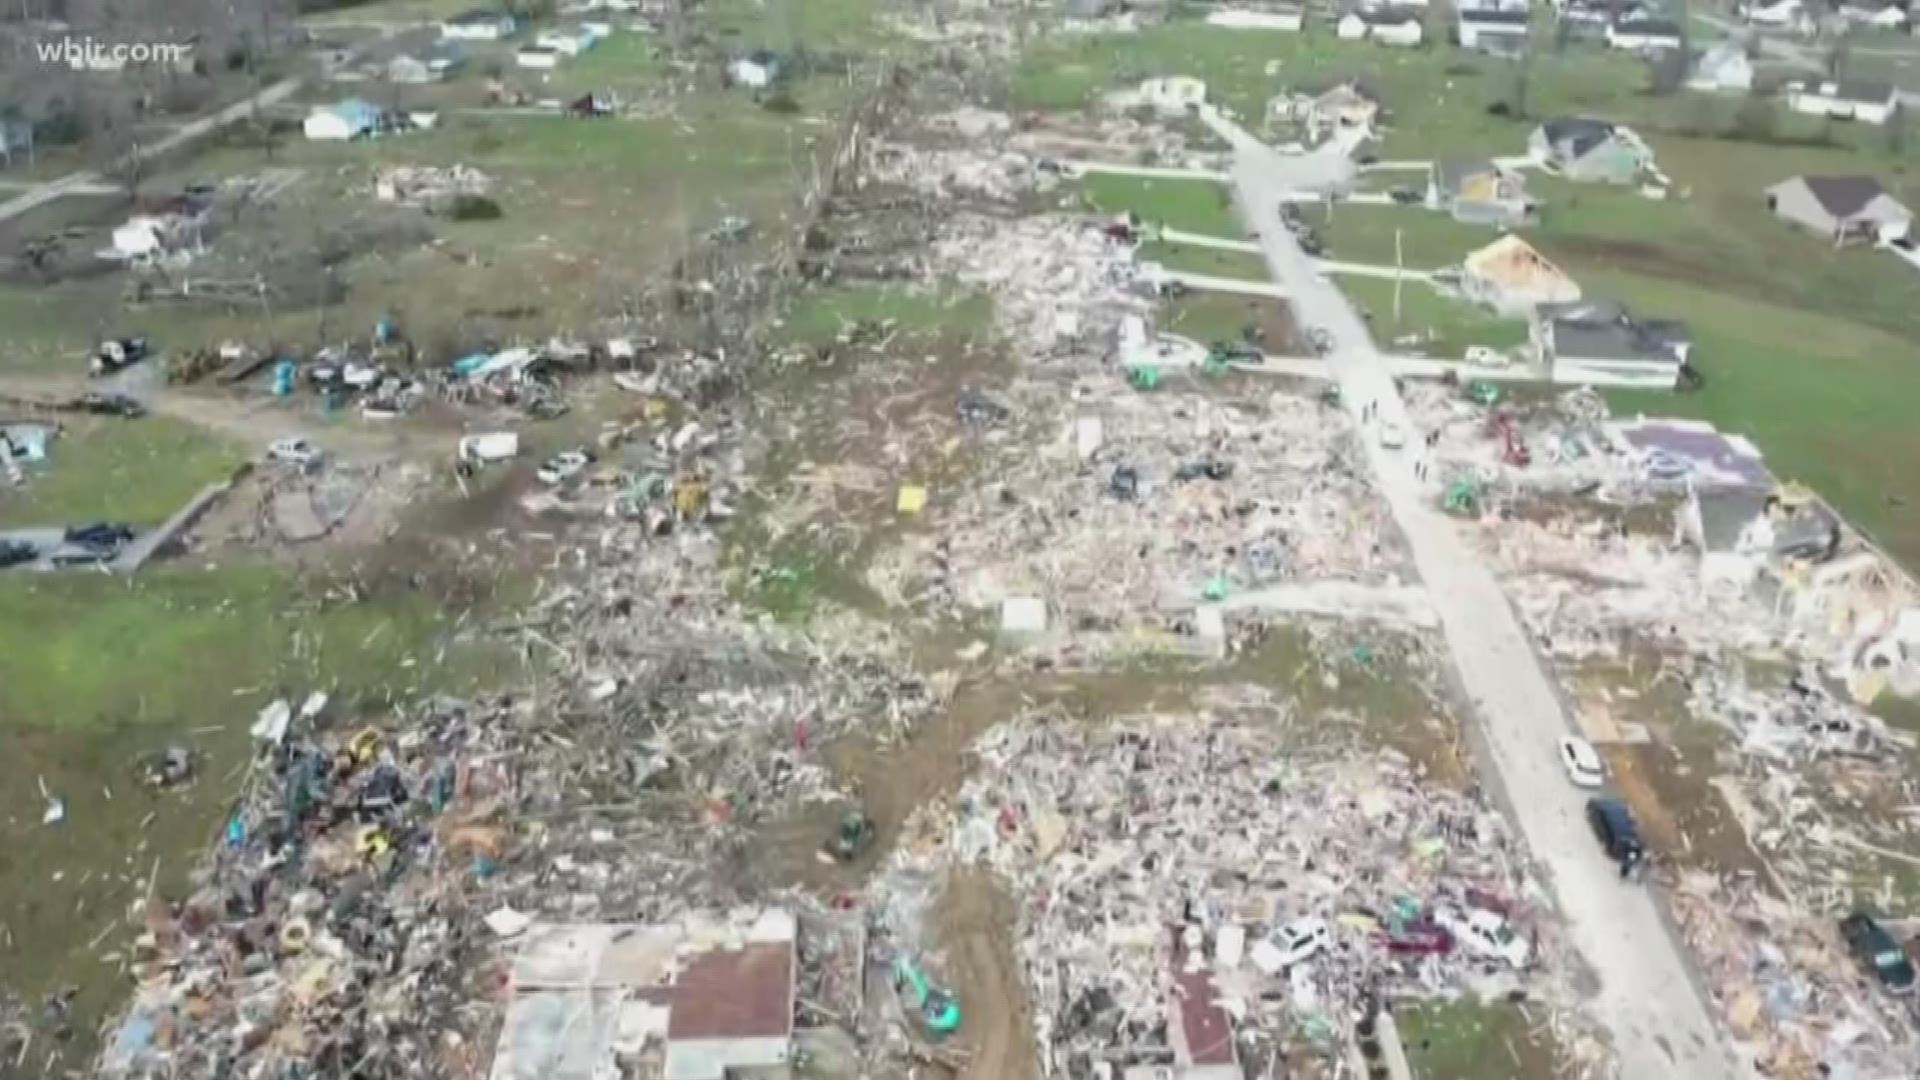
(294, 451)
(1878, 950)
(98, 404)
(564, 466)
(1486, 934)
(17, 553)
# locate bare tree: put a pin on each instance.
(1839, 55)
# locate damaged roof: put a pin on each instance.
(1516, 264)
(1576, 135)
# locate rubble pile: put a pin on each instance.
(1155, 847)
(956, 174)
(429, 187)
(1798, 1004)
(1060, 286)
(1140, 504)
(1566, 443)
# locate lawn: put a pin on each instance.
(1193, 259)
(819, 315)
(1428, 239)
(1465, 1040)
(98, 674)
(1446, 326)
(1830, 402)
(1198, 206)
(138, 472)
(1210, 317)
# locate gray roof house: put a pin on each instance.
(1584, 148)
(1839, 208)
(1601, 343)
(1479, 192)
(1739, 529)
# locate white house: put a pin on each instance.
(479, 26)
(1723, 69)
(756, 71)
(1493, 29)
(1883, 16)
(1174, 94)
(1351, 27)
(148, 236)
(350, 119)
(1849, 99)
(1780, 15)
(1644, 35)
(1389, 26)
(1288, 18)
(537, 58)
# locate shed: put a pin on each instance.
(1723, 68)
(1839, 208)
(757, 70)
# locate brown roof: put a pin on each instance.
(1206, 1028)
(735, 994)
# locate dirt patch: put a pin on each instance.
(974, 919)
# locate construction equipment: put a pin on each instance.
(936, 1007)
(1483, 393)
(854, 836)
(1463, 497)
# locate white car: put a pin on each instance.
(1392, 436)
(296, 452)
(1485, 934)
(564, 466)
(1582, 763)
(1301, 940)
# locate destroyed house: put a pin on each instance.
(1479, 192)
(698, 1000)
(1603, 344)
(1583, 148)
(1738, 530)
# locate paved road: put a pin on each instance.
(1659, 1022)
(76, 183)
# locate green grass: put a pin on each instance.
(1464, 1040)
(820, 314)
(1199, 206)
(1192, 259)
(1428, 239)
(1449, 326)
(1828, 401)
(1210, 317)
(138, 472)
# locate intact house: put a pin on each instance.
(1740, 530)
(479, 25)
(1600, 343)
(1644, 35)
(756, 70)
(567, 42)
(1583, 148)
(1287, 17)
(537, 58)
(1780, 15)
(1511, 277)
(700, 999)
(1840, 208)
(1388, 26)
(1724, 68)
(349, 119)
(1848, 99)
(1880, 15)
(1479, 192)
(1493, 30)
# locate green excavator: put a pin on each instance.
(936, 1007)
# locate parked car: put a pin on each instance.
(99, 534)
(99, 404)
(1301, 939)
(1405, 196)
(1613, 824)
(296, 452)
(564, 466)
(1392, 435)
(16, 552)
(1878, 949)
(1582, 763)
(1485, 934)
(116, 353)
